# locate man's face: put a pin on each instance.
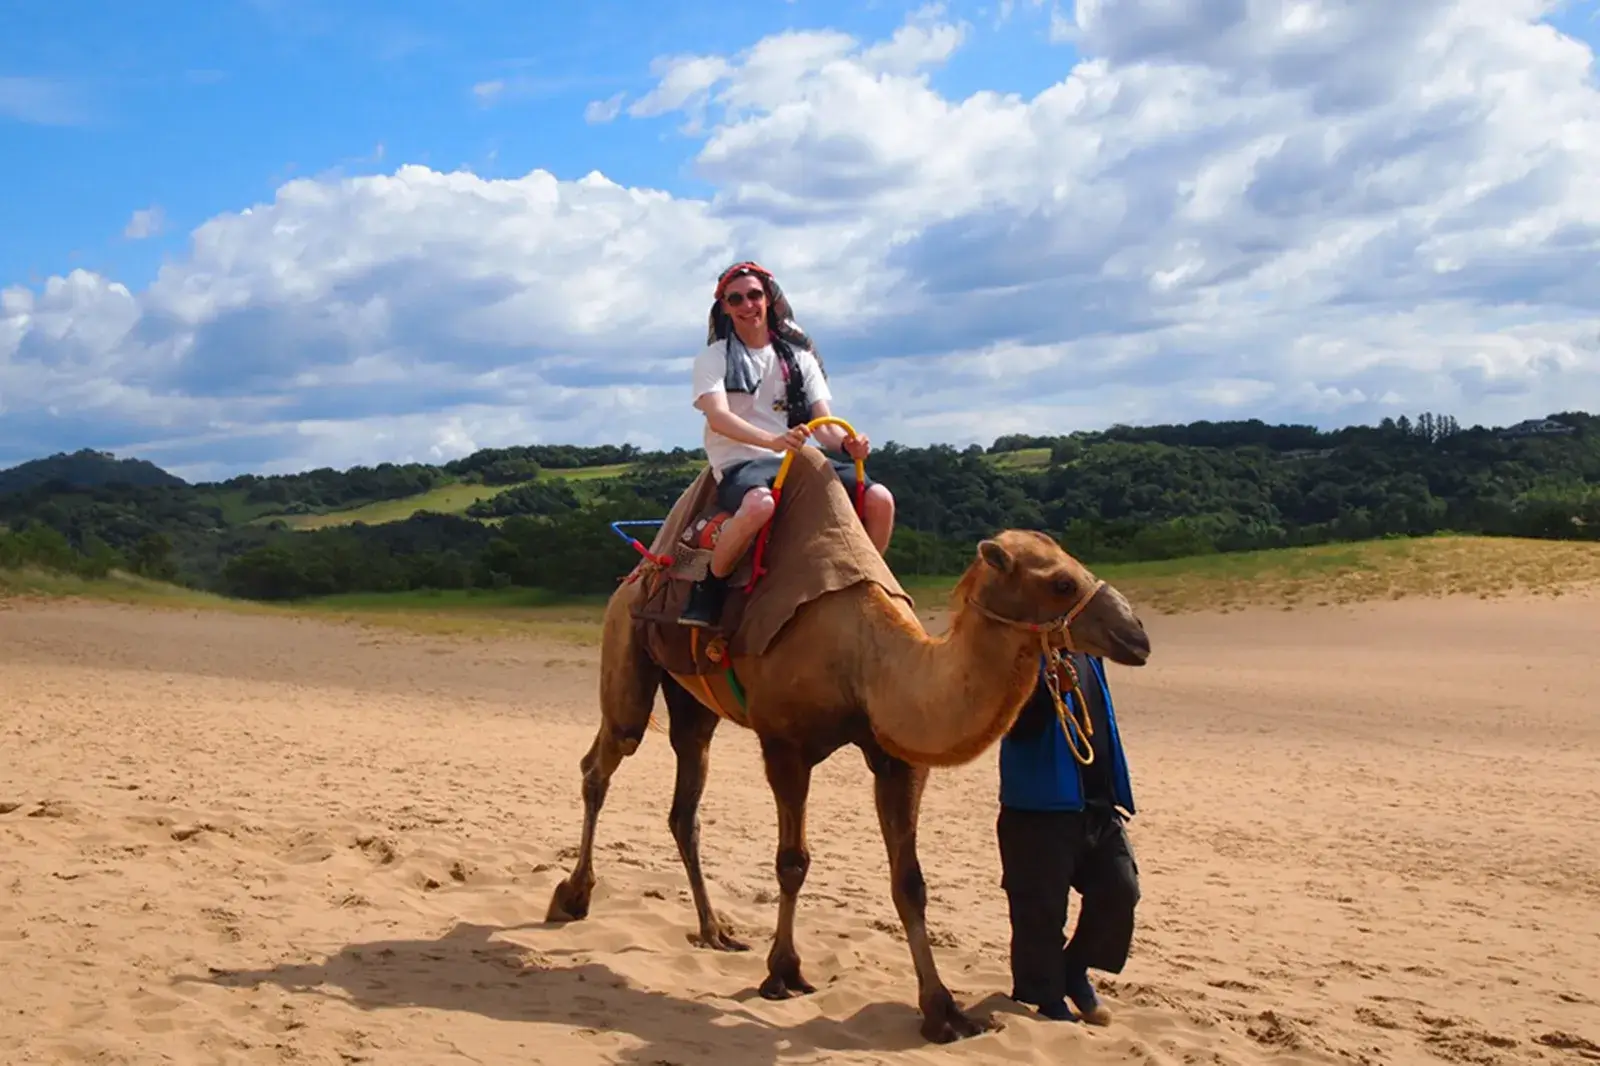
(745, 300)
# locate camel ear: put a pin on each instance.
(992, 553)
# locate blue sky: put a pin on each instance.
(207, 106)
(997, 218)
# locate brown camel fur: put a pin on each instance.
(855, 666)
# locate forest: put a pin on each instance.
(541, 513)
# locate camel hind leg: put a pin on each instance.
(628, 684)
(692, 726)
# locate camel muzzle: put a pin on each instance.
(1129, 648)
(1118, 628)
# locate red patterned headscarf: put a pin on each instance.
(786, 336)
(748, 268)
(780, 316)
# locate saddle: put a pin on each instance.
(817, 545)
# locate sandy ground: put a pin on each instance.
(1366, 834)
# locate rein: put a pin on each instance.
(1057, 664)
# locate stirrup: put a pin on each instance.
(704, 607)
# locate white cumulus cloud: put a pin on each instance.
(1290, 209)
(604, 110)
(144, 223)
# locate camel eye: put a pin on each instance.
(1065, 586)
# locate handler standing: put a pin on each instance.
(1061, 827)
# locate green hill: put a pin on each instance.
(84, 469)
(460, 497)
(453, 497)
(536, 516)
(1282, 579)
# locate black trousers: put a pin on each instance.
(1043, 854)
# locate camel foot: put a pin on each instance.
(944, 1023)
(568, 904)
(717, 938)
(785, 983)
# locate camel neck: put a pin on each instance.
(942, 701)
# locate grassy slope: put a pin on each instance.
(118, 588)
(511, 611)
(1400, 568)
(448, 499)
(235, 509)
(1022, 459)
(1329, 574)
(453, 498)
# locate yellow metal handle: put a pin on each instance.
(788, 455)
(756, 569)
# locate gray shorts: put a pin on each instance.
(739, 478)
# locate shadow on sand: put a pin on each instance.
(467, 970)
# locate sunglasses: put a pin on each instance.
(735, 299)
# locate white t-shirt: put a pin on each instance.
(765, 409)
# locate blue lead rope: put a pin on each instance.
(616, 527)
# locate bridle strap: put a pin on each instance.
(1063, 621)
(1055, 665)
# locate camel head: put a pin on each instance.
(1024, 576)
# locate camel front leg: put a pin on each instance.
(692, 727)
(897, 787)
(789, 774)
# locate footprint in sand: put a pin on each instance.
(379, 849)
(54, 809)
(1570, 1042)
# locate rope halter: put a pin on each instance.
(1057, 664)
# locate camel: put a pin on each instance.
(854, 667)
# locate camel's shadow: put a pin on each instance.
(467, 970)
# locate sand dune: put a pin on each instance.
(1366, 835)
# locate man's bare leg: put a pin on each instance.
(878, 516)
(740, 530)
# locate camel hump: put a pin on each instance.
(817, 545)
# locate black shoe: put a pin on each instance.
(1082, 994)
(1056, 1011)
(704, 607)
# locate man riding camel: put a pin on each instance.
(758, 382)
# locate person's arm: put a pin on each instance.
(714, 405)
(830, 436)
(833, 436)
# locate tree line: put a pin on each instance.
(1123, 494)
